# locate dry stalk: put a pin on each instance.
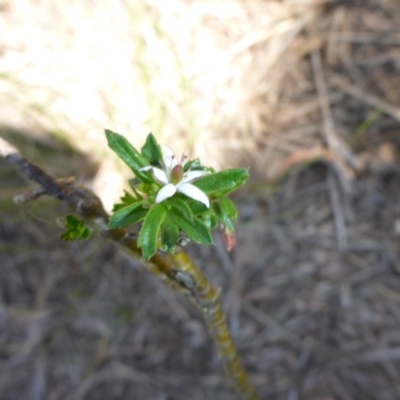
(177, 270)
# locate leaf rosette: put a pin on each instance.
(173, 199)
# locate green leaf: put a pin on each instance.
(149, 233)
(76, 229)
(133, 183)
(196, 207)
(126, 200)
(169, 234)
(128, 154)
(127, 215)
(139, 188)
(196, 230)
(72, 222)
(196, 165)
(86, 233)
(210, 219)
(227, 206)
(69, 236)
(226, 211)
(181, 207)
(152, 151)
(222, 182)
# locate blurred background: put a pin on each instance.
(307, 94)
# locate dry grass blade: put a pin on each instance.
(366, 97)
(338, 147)
(339, 214)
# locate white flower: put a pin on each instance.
(175, 180)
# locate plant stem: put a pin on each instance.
(182, 275)
(207, 299)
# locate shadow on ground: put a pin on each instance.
(311, 291)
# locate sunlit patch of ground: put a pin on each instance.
(202, 76)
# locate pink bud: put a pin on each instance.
(229, 238)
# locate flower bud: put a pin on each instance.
(229, 236)
(176, 174)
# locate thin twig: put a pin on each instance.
(339, 149)
(323, 97)
(338, 213)
(366, 97)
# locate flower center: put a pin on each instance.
(177, 174)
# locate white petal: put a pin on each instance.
(165, 192)
(193, 192)
(160, 175)
(192, 175)
(169, 158)
(146, 168)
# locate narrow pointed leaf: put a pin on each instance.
(126, 200)
(148, 236)
(192, 164)
(224, 211)
(227, 206)
(128, 154)
(169, 234)
(222, 182)
(195, 229)
(127, 215)
(181, 207)
(152, 151)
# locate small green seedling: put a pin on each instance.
(76, 229)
